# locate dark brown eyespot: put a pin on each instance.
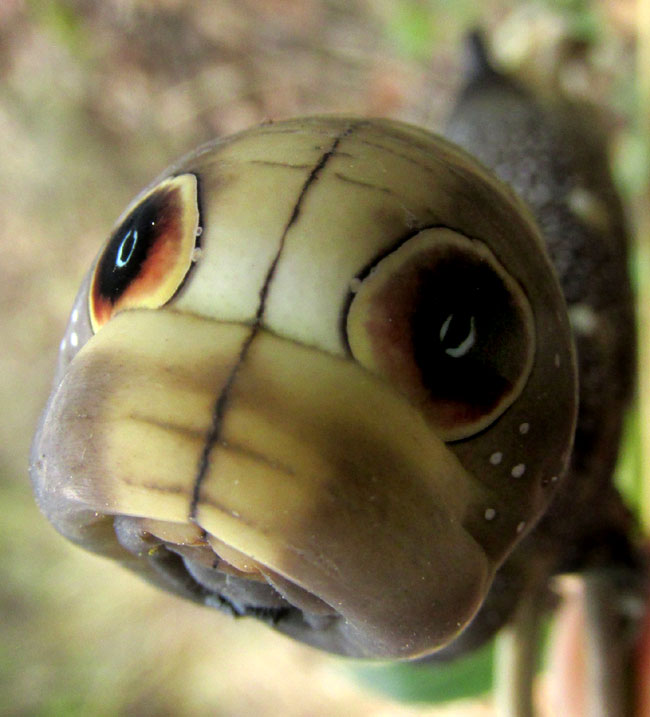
(148, 256)
(442, 320)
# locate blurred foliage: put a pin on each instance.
(415, 27)
(468, 677)
(95, 99)
(61, 19)
(631, 165)
(584, 20)
(629, 472)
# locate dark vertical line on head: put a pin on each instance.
(214, 434)
(313, 176)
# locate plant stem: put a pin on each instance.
(516, 659)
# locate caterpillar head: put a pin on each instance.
(321, 373)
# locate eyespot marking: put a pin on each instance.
(444, 322)
(148, 256)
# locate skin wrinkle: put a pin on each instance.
(212, 503)
(367, 185)
(213, 435)
(459, 172)
(166, 426)
(199, 434)
(154, 487)
(417, 229)
(399, 155)
(269, 163)
(451, 149)
(279, 131)
(259, 457)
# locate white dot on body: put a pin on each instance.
(518, 470)
(490, 514)
(496, 458)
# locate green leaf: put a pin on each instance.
(465, 678)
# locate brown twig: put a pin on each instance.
(613, 607)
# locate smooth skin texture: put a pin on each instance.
(243, 445)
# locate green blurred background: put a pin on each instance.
(96, 98)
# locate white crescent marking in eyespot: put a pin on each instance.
(465, 346)
(132, 238)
